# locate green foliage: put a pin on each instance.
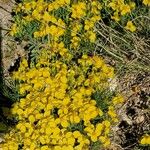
(63, 13)
(95, 145)
(3, 127)
(77, 127)
(98, 119)
(103, 99)
(27, 31)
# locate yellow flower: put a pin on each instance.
(67, 1)
(106, 123)
(116, 16)
(98, 62)
(94, 137)
(71, 141)
(33, 4)
(42, 140)
(22, 129)
(48, 130)
(13, 29)
(99, 128)
(27, 6)
(65, 123)
(111, 112)
(103, 139)
(19, 111)
(76, 134)
(76, 119)
(125, 9)
(37, 85)
(24, 62)
(44, 148)
(66, 100)
(89, 129)
(146, 2)
(107, 142)
(56, 5)
(145, 139)
(31, 118)
(46, 73)
(27, 142)
(36, 15)
(91, 36)
(57, 148)
(78, 10)
(113, 5)
(18, 8)
(118, 99)
(75, 41)
(132, 5)
(63, 79)
(88, 24)
(59, 97)
(130, 26)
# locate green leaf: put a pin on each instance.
(3, 127)
(103, 99)
(96, 145)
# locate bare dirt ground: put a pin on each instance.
(10, 49)
(134, 114)
(5, 17)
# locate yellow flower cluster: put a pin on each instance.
(42, 12)
(14, 29)
(79, 17)
(130, 26)
(118, 99)
(57, 90)
(57, 94)
(146, 2)
(45, 13)
(59, 48)
(78, 10)
(11, 140)
(120, 8)
(79, 13)
(145, 140)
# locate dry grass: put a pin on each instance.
(128, 52)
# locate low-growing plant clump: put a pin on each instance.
(65, 99)
(58, 108)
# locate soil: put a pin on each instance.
(9, 49)
(134, 113)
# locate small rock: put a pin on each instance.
(140, 119)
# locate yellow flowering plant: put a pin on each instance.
(146, 2)
(52, 19)
(65, 100)
(145, 140)
(130, 26)
(58, 109)
(70, 21)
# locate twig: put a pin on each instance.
(116, 32)
(98, 44)
(130, 146)
(141, 17)
(5, 9)
(4, 29)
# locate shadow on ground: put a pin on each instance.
(5, 102)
